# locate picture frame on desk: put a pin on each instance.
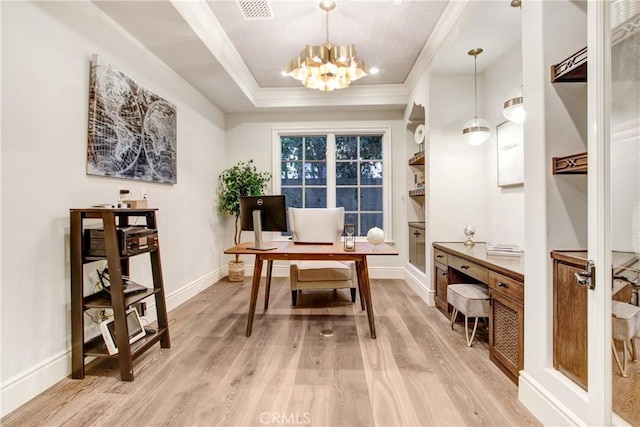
(510, 148)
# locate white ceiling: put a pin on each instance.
(236, 62)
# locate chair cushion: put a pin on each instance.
(314, 271)
(471, 300)
(626, 320)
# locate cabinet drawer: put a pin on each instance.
(469, 268)
(507, 286)
(440, 256)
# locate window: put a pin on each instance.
(342, 169)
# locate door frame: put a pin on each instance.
(599, 395)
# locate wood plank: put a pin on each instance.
(418, 371)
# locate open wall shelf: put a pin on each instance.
(572, 69)
(573, 164)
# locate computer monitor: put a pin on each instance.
(263, 213)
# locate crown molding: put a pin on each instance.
(355, 95)
(443, 28)
(199, 16)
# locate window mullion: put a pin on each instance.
(331, 170)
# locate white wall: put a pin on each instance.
(555, 206)
(504, 206)
(456, 169)
(249, 136)
(46, 51)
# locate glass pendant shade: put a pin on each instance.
(514, 110)
(476, 131)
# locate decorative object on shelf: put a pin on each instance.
(510, 144)
(418, 137)
(503, 249)
(476, 131)
(375, 236)
(513, 109)
(243, 179)
(418, 179)
(327, 67)
(469, 231)
(132, 131)
(349, 237)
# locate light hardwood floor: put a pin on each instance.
(418, 372)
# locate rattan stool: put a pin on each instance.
(472, 301)
(626, 327)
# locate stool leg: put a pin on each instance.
(454, 314)
(466, 330)
(634, 349)
(623, 371)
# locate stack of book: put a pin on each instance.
(501, 249)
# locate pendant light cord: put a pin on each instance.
(475, 83)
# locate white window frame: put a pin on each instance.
(331, 132)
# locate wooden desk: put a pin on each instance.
(457, 263)
(291, 251)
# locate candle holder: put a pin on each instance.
(349, 237)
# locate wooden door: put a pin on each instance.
(570, 333)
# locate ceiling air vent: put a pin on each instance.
(255, 9)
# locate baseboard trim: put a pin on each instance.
(19, 389)
(418, 282)
(543, 405)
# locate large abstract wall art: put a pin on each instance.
(132, 131)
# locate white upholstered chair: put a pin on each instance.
(472, 300)
(319, 225)
(626, 327)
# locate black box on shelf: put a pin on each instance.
(131, 240)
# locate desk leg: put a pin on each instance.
(267, 288)
(255, 286)
(360, 291)
(363, 279)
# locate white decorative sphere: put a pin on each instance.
(375, 236)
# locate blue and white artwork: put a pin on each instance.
(132, 131)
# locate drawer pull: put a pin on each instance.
(416, 233)
(444, 273)
(464, 267)
(503, 285)
(439, 256)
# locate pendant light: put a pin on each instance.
(514, 109)
(476, 131)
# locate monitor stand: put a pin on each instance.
(257, 229)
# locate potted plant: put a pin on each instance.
(242, 179)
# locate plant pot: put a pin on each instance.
(236, 271)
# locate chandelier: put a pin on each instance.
(327, 67)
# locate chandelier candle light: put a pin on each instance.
(327, 67)
(476, 131)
